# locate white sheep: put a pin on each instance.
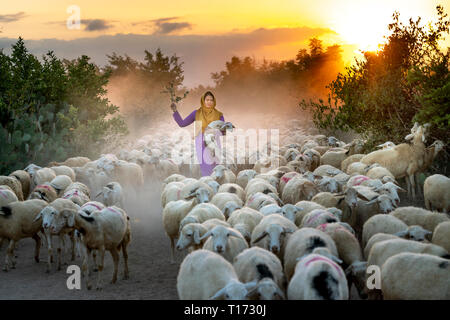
(302, 242)
(64, 170)
(244, 176)
(14, 184)
(298, 189)
(171, 192)
(317, 277)
(333, 158)
(191, 233)
(418, 216)
(55, 209)
(327, 170)
(25, 180)
(108, 229)
(349, 160)
(381, 223)
(60, 183)
(378, 237)
(415, 276)
(17, 221)
(7, 196)
(223, 175)
(262, 266)
(227, 242)
(233, 188)
(436, 192)
(272, 232)
(112, 195)
(259, 200)
(204, 274)
(245, 220)
(304, 208)
(202, 212)
(41, 176)
(224, 201)
(259, 185)
(317, 217)
(441, 235)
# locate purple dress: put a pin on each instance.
(204, 156)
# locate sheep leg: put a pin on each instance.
(50, 251)
(94, 258)
(9, 254)
(413, 185)
(115, 256)
(60, 249)
(172, 250)
(126, 274)
(408, 186)
(85, 266)
(72, 239)
(100, 267)
(37, 249)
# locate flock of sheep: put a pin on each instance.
(306, 223)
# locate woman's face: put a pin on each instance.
(209, 101)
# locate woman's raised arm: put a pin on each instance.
(184, 122)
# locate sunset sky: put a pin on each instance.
(204, 34)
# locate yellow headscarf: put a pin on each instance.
(206, 115)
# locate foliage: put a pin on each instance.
(52, 109)
(382, 95)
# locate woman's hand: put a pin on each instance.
(173, 106)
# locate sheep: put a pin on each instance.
(346, 243)
(259, 185)
(271, 209)
(45, 192)
(327, 184)
(72, 162)
(333, 158)
(285, 179)
(223, 175)
(403, 160)
(290, 211)
(171, 192)
(304, 241)
(272, 232)
(314, 157)
(222, 201)
(259, 200)
(76, 195)
(244, 176)
(64, 170)
(431, 153)
(317, 217)
(233, 188)
(191, 233)
(262, 266)
(382, 250)
(378, 237)
(272, 179)
(305, 207)
(326, 170)
(200, 213)
(366, 209)
(245, 220)
(349, 160)
(172, 215)
(357, 168)
(112, 195)
(108, 229)
(60, 183)
(381, 223)
(81, 187)
(204, 191)
(227, 242)
(436, 192)
(346, 202)
(441, 235)
(7, 196)
(25, 180)
(204, 274)
(298, 189)
(58, 209)
(418, 216)
(176, 177)
(317, 277)
(41, 176)
(390, 189)
(17, 221)
(380, 173)
(415, 276)
(386, 145)
(14, 184)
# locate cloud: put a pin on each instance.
(161, 26)
(12, 17)
(201, 54)
(95, 24)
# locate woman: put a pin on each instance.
(204, 115)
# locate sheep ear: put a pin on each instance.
(401, 234)
(218, 295)
(234, 234)
(70, 215)
(335, 259)
(206, 235)
(197, 236)
(262, 235)
(98, 194)
(400, 189)
(39, 216)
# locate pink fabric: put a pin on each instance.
(316, 258)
